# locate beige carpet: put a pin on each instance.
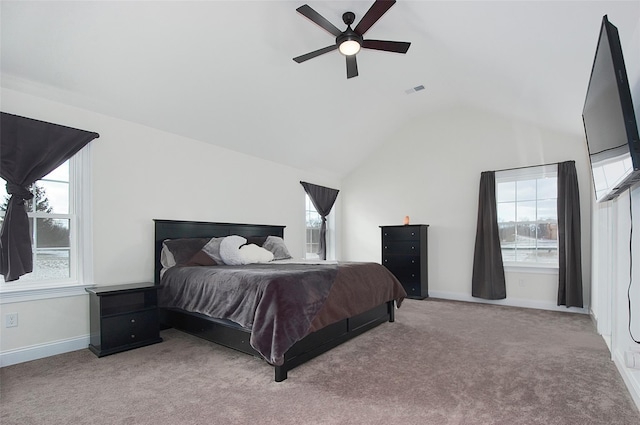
(441, 362)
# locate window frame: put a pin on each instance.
(80, 241)
(521, 174)
(330, 231)
(309, 209)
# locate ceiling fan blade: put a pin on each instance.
(374, 13)
(312, 55)
(352, 66)
(317, 18)
(387, 46)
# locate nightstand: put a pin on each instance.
(123, 317)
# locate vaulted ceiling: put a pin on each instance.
(222, 71)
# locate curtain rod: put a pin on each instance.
(530, 166)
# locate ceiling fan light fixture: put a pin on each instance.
(349, 47)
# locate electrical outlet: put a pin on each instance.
(632, 359)
(11, 320)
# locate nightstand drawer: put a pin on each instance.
(129, 328)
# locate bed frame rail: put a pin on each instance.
(314, 344)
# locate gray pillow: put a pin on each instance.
(276, 245)
(180, 251)
(212, 249)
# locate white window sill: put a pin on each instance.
(530, 268)
(17, 293)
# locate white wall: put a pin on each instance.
(616, 259)
(430, 170)
(617, 280)
(140, 174)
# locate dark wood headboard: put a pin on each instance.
(174, 229)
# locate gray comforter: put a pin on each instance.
(279, 303)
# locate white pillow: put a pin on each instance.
(253, 253)
(230, 249)
(233, 252)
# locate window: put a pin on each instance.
(313, 222)
(61, 247)
(527, 216)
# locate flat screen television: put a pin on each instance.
(609, 120)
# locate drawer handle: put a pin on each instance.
(133, 320)
(132, 336)
(413, 247)
(413, 261)
(413, 275)
(413, 233)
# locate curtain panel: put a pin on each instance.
(322, 199)
(488, 280)
(569, 237)
(29, 150)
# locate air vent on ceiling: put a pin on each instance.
(414, 89)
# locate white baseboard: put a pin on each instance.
(631, 377)
(40, 351)
(511, 302)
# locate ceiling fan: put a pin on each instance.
(349, 41)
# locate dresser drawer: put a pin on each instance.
(404, 248)
(405, 272)
(409, 262)
(414, 289)
(401, 233)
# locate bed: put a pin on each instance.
(295, 311)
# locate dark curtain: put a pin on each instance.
(569, 239)
(29, 150)
(322, 199)
(488, 272)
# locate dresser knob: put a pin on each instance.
(413, 261)
(133, 320)
(413, 275)
(413, 247)
(413, 234)
(132, 336)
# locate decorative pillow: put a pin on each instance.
(230, 249)
(234, 252)
(180, 251)
(166, 257)
(276, 245)
(253, 253)
(212, 249)
(201, 258)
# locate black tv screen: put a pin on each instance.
(609, 120)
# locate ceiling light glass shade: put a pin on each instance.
(349, 47)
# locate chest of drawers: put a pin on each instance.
(404, 253)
